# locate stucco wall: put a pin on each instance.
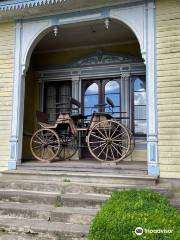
(7, 38)
(168, 66)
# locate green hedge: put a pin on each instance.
(126, 210)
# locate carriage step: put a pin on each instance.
(88, 177)
(43, 229)
(56, 213)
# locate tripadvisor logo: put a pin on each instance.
(139, 231)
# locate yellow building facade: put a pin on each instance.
(7, 45)
(168, 85)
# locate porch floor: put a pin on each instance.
(87, 165)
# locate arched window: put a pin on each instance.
(140, 106)
(112, 91)
(91, 98)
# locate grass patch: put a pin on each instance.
(127, 210)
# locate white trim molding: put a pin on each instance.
(17, 85)
(152, 139)
(19, 4)
(139, 18)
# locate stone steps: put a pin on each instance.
(50, 205)
(76, 187)
(96, 168)
(46, 229)
(83, 200)
(88, 177)
(28, 197)
(21, 237)
(68, 199)
(47, 212)
(175, 201)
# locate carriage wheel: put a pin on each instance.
(69, 146)
(45, 145)
(132, 145)
(109, 141)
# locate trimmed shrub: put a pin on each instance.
(127, 210)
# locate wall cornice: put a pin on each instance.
(21, 4)
(25, 9)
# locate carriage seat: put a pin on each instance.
(42, 120)
(78, 116)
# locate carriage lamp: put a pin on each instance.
(55, 30)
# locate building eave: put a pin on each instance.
(21, 4)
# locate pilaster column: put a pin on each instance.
(75, 87)
(15, 152)
(153, 166)
(76, 95)
(125, 100)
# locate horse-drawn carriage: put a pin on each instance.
(107, 139)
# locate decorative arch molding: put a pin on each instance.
(34, 31)
(104, 58)
(139, 18)
(134, 18)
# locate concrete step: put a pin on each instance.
(75, 187)
(21, 237)
(28, 197)
(77, 215)
(87, 177)
(79, 167)
(69, 199)
(44, 229)
(175, 201)
(83, 200)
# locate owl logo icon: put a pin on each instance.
(139, 231)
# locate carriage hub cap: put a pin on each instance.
(109, 141)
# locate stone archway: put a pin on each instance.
(140, 19)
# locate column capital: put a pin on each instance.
(75, 78)
(125, 75)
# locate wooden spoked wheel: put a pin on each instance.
(69, 146)
(45, 145)
(132, 145)
(109, 141)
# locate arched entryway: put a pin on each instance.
(42, 29)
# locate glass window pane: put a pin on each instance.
(92, 89)
(140, 98)
(51, 103)
(140, 126)
(90, 101)
(89, 111)
(139, 85)
(112, 87)
(140, 112)
(91, 98)
(112, 91)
